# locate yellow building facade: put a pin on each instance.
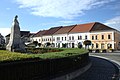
(105, 40)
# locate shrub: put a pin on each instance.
(42, 50)
(87, 43)
(11, 56)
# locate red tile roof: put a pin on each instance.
(51, 31)
(65, 29)
(40, 33)
(82, 28)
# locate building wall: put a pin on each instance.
(78, 38)
(117, 40)
(38, 39)
(71, 40)
(60, 39)
(47, 39)
(102, 40)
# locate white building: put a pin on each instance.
(72, 36)
(61, 36)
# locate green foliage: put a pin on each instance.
(11, 56)
(63, 53)
(48, 44)
(79, 45)
(42, 50)
(87, 42)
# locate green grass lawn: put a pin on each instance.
(11, 56)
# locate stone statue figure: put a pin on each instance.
(15, 42)
(15, 19)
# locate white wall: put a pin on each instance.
(56, 42)
(76, 41)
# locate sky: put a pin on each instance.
(36, 15)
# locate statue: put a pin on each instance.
(15, 42)
(15, 19)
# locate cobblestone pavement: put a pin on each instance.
(101, 69)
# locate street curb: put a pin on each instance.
(115, 63)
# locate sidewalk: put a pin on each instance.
(100, 70)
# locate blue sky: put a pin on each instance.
(35, 15)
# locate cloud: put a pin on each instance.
(4, 31)
(59, 23)
(66, 9)
(7, 8)
(114, 22)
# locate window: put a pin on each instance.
(86, 37)
(69, 37)
(65, 38)
(96, 45)
(58, 38)
(80, 37)
(102, 46)
(62, 38)
(109, 46)
(53, 39)
(96, 37)
(92, 37)
(92, 46)
(109, 37)
(72, 37)
(102, 36)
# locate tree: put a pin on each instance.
(48, 44)
(87, 43)
(79, 45)
(35, 43)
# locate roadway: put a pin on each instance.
(102, 69)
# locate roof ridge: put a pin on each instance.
(93, 26)
(73, 27)
(87, 23)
